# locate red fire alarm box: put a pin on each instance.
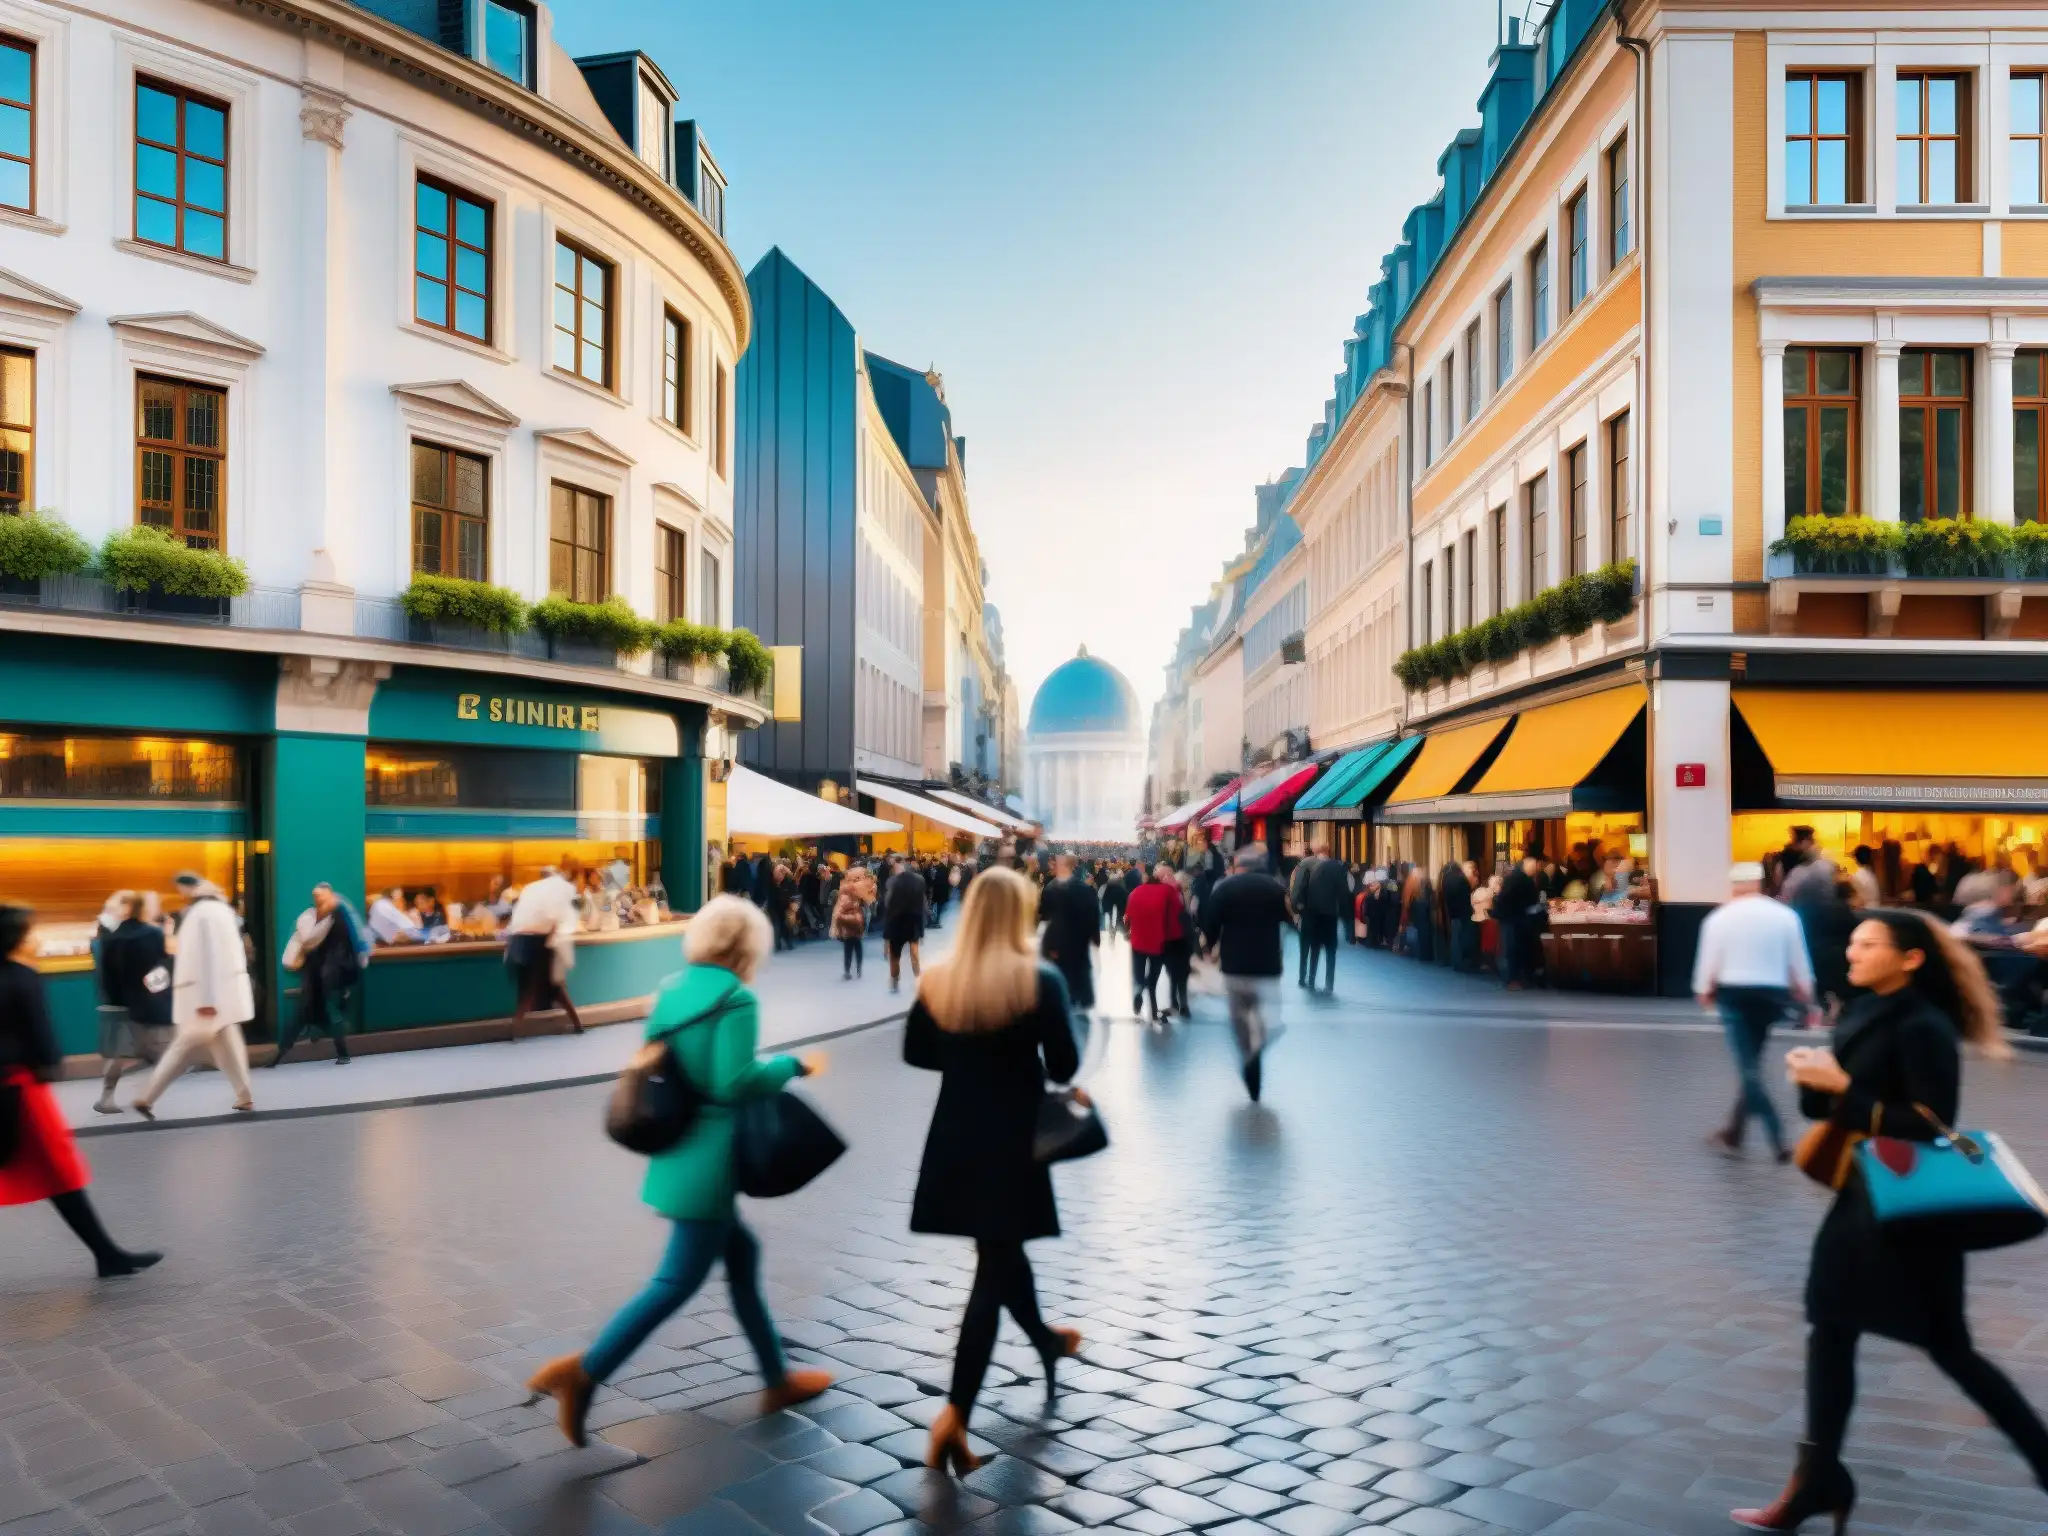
(1692, 775)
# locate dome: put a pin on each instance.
(1085, 694)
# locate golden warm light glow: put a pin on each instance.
(462, 870)
(68, 879)
(1984, 838)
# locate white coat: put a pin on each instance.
(212, 970)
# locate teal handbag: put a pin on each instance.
(1963, 1190)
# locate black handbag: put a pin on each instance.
(779, 1145)
(1067, 1128)
(10, 1121)
(654, 1104)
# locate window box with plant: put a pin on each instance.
(447, 610)
(158, 572)
(1932, 549)
(1572, 607)
(1838, 546)
(593, 634)
(35, 545)
(689, 651)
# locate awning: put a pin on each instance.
(1544, 765)
(1195, 810)
(930, 810)
(1939, 750)
(757, 806)
(1219, 818)
(976, 808)
(1278, 790)
(1445, 759)
(1315, 804)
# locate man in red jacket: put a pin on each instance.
(1154, 917)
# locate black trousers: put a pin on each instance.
(1145, 973)
(1179, 962)
(1831, 1394)
(1002, 1279)
(853, 953)
(318, 1010)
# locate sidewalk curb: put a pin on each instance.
(132, 1127)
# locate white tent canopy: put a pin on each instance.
(976, 808)
(930, 810)
(757, 806)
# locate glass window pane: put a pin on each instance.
(1836, 372)
(1948, 462)
(593, 279)
(1909, 104)
(206, 131)
(429, 474)
(470, 316)
(159, 412)
(1941, 106)
(2026, 466)
(1834, 173)
(586, 519)
(156, 171)
(472, 224)
(1909, 171)
(14, 184)
(565, 351)
(430, 301)
(565, 266)
(14, 131)
(1913, 373)
(593, 362)
(565, 310)
(202, 488)
(206, 235)
(505, 47)
(1834, 106)
(430, 208)
(205, 185)
(17, 393)
(1795, 461)
(426, 552)
(2026, 170)
(156, 115)
(1795, 371)
(202, 418)
(468, 497)
(1798, 173)
(470, 269)
(15, 71)
(1912, 464)
(430, 255)
(1798, 105)
(1835, 449)
(561, 513)
(560, 568)
(1941, 172)
(1950, 374)
(593, 321)
(2026, 103)
(469, 562)
(2026, 375)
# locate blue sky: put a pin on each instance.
(1132, 235)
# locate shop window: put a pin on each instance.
(583, 314)
(465, 876)
(721, 459)
(508, 39)
(1933, 139)
(713, 610)
(181, 170)
(1536, 536)
(1620, 232)
(1934, 435)
(1475, 373)
(671, 574)
(1823, 139)
(1539, 294)
(675, 370)
(17, 429)
(181, 459)
(2029, 414)
(1576, 509)
(17, 125)
(1581, 252)
(451, 284)
(2029, 166)
(1503, 334)
(150, 769)
(1621, 533)
(579, 543)
(68, 879)
(1822, 429)
(450, 513)
(1499, 516)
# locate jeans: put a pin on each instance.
(1509, 942)
(1318, 943)
(853, 955)
(1747, 1013)
(693, 1247)
(1464, 944)
(1145, 973)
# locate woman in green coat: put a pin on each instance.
(710, 1019)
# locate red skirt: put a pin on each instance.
(46, 1161)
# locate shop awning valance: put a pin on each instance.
(984, 812)
(930, 810)
(1549, 765)
(1445, 759)
(1278, 790)
(757, 806)
(1914, 749)
(1321, 795)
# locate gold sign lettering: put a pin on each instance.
(541, 712)
(465, 706)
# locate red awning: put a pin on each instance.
(1274, 799)
(1197, 809)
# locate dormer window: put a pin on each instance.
(655, 112)
(508, 39)
(711, 195)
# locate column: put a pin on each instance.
(1883, 501)
(1774, 443)
(1691, 829)
(684, 853)
(324, 455)
(1994, 505)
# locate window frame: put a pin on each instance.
(1499, 515)
(452, 243)
(1470, 572)
(2038, 80)
(609, 309)
(1450, 565)
(1621, 507)
(711, 586)
(1537, 266)
(602, 553)
(1855, 171)
(1475, 369)
(10, 505)
(1621, 231)
(29, 46)
(1503, 335)
(1931, 405)
(1579, 533)
(530, 18)
(1925, 139)
(671, 572)
(452, 517)
(677, 338)
(1536, 535)
(182, 451)
(1428, 603)
(1578, 228)
(721, 435)
(184, 96)
(1812, 402)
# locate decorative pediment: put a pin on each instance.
(584, 441)
(17, 292)
(454, 397)
(670, 488)
(182, 328)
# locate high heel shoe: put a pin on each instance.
(1816, 1490)
(795, 1387)
(565, 1380)
(1069, 1342)
(949, 1450)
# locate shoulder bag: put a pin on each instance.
(10, 1120)
(1965, 1189)
(779, 1145)
(654, 1104)
(1067, 1128)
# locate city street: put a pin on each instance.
(1466, 1269)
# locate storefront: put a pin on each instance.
(1337, 806)
(1265, 805)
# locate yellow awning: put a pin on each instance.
(1899, 733)
(1555, 746)
(1446, 757)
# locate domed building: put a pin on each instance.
(1084, 754)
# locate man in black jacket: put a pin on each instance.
(1325, 898)
(1454, 891)
(1072, 914)
(903, 908)
(1241, 921)
(1514, 910)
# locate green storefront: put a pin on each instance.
(122, 763)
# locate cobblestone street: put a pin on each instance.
(1460, 1273)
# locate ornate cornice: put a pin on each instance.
(364, 36)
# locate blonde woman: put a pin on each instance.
(995, 1022)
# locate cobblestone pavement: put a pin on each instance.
(1456, 1275)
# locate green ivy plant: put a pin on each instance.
(680, 640)
(140, 558)
(36, 544)
(472, 604)
(749, 662)
(611, 623)
(1570, 608)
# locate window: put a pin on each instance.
(583, 317)
(1619, 232)
(1823, 133)
(1503, 334)
(1447, 395)
(508, 39)
(1451, 589)
(711, 197)
(1475, 372)
(1471, 573)
(17, 429)
(181, 441)
(1934, 435)
(657, 144)
(1539, 294)
(1934, 140)
(450, 513)
(181, 171)
(1820, 430)
(675, 370)
(1500, 561)
(1428, 423)
(712, 611)
(579, 543)
(2029, 408)
(2026, 159)
(1428, 603)
(1621, 533)
(1580, 270)
(451, 261)
(1536, 536)
(718, 427)
(17, 125)
(1575, 508)
(671, 573)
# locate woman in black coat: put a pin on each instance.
(995, 1023)
(1895, 1050)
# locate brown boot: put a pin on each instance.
(565, 1380)
(949, 1444)
(797, 1387)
